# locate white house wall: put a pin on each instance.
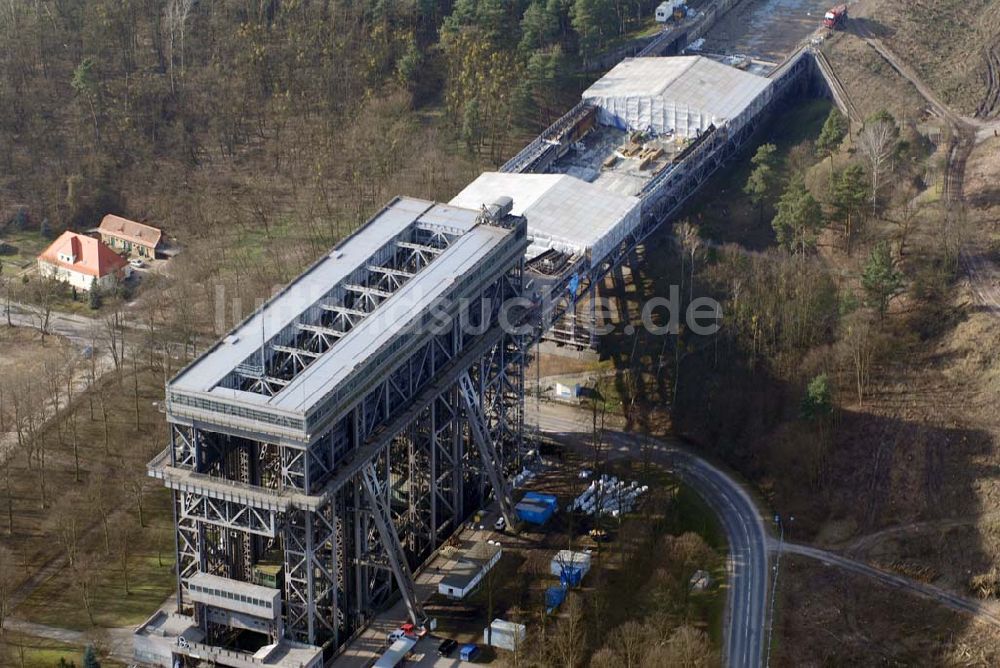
(76, 279)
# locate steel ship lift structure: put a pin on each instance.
(347, 428)
(323, 450)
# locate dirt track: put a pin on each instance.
(981, 611)
(966, 133)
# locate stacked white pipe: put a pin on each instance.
(609, 496)
(524, 476)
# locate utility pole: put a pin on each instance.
(774, 584)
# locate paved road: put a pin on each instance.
(979, 609)
(80, 330)
(748, 549)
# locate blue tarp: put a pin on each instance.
(554, 596)
(571, 576)
(546, 499)
(535, 513)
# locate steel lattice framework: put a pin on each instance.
(352, 495)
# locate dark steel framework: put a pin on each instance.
(572, 314)
(351, 513)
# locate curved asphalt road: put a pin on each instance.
(746, 611)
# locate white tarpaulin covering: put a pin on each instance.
(685, 94)
(563, 212)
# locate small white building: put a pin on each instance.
(567, 391)
(469, 570)
(665, 10)
(505, 635)
(83, 262)
(569, 558)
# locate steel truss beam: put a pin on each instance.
(390, 543)
(228, 514)
(487, 450)
(390, 271)
(319, 329)
(344, 311)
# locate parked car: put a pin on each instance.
(446, 647)
(500, 524)
(136, 263)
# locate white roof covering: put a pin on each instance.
(474, 243)
(563, 212)
(682, 93)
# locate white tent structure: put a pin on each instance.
(683, 94)
(563, 212)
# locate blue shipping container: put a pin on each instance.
(468, 652)
(545, 499)
(554, 596)
(535, 513)
(571, 576)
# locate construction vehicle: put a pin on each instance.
(836, 18)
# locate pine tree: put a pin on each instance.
(798, 219)
(850, 190)
(834, 129)
(880, 278)
(94, 298)
(818, 401)
(761, 182)
(90, 658)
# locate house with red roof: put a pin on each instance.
(83, 262)
(123, 234)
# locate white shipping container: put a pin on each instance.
(505, 635)
(563, 558)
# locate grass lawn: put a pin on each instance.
(18, 649)
(151, 580)
(111, 474)
(29, 243)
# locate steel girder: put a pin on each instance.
(376, 493)
(312, 542)
(487, 450)
(228, 514)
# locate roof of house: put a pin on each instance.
(130, 230)
(92, 257)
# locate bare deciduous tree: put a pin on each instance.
(860, 342)
(7, 582)
(177, 12)
(124, 531)
(569, 640)
(878, 142)
(629, 642)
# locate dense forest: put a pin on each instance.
(233, 124)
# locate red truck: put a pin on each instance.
(836, 18)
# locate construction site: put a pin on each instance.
(328, 448)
